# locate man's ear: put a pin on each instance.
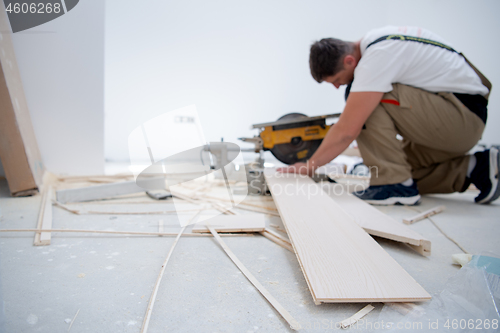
(349, 61)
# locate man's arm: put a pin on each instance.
(359, 107)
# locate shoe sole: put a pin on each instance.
(495, 185)
(405, 201)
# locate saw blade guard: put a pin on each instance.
(297, 150)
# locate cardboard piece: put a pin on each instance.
(19, 151)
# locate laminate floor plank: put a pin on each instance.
(375, 222)
(340, 261)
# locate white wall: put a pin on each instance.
(62, 68)
(245, 62)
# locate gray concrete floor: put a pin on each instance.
(109, 279)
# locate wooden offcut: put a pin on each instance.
(233, 223)
(132, 233)
(357, 316)
(276, 238)
(147, 317)
(42, 237)
(151, 303)
(340, 261)
(294, 324)
(424, 215)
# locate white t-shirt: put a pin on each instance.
(424, 66)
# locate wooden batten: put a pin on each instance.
(424, 215)
(232, 223)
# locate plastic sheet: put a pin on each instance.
(468, 303)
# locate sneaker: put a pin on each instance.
(485, 175)
(390, 194)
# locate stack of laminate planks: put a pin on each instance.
(340, 261)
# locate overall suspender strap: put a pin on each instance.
(483, 78)
(412, 39)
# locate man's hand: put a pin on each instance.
(359, 107)
(301, 168)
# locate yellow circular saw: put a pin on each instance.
(292, 138)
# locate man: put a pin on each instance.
(407, 81)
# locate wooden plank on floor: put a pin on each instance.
(272, 236)
(295, 325)
(233, 223)
(105, 191)
(424, 215)
(44, 218)
(340, 261)
(375, 222)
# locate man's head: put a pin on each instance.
(332, 60)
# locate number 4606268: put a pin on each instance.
(477, 324)
(33, 8)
